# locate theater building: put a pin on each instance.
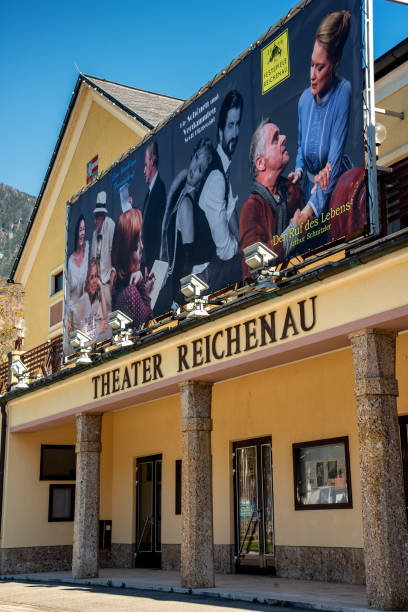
(265, 437)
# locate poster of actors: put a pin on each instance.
(273, 152)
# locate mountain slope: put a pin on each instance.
(15, 212)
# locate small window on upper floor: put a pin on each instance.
(57, 282)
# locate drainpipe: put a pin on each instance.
(2, 455)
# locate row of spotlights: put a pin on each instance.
(258, 258)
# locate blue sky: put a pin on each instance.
(168, 47)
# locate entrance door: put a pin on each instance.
(148, 511)
(253, 496)
(403, 423)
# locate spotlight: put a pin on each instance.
(192, 287)
(118, 322)
(258, 256)
(79, 340)
(19, 370)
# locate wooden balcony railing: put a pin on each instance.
(44, 359)
(393, 196)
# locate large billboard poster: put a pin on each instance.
(272, 152)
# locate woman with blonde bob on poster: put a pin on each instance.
(323, 110)
(131, 290)
(92, 312)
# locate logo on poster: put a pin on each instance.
(275, 62)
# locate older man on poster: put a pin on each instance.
(217, 199)
(272, 211)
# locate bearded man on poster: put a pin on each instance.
(272, 211)
(218, 202)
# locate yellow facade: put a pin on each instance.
(292, 382)
(94, 129)
(307, 399)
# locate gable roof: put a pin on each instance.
(147, 107)
(150, 108)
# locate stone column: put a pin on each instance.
(197, 545)
(85, 554)
(383, 503)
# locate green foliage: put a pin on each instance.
(15, 211)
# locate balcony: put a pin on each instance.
(41, 360)
(393, 196)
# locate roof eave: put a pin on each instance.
(47, 176)
(81, 79)
(125, 108)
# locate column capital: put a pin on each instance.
(89, 427)
(376, 331)
(195, 399)
(376, 385)
(88, 447)
(373, 353)
(196, 424)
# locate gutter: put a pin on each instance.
(358, 256)
(3, 436)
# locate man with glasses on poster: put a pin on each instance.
(218, 202)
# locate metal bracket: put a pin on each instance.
(385, 111)
(384, 169)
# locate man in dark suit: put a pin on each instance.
(153, 207)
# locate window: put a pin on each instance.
(57, 282)
(61, 503)
(322, 474)
(178, 486)
(58, 462)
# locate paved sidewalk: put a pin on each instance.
(264, 589)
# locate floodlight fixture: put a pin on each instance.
(79, 340)
(258, 256)
(192, 287)
(119, 321)
(19, 370)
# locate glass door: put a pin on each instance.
(148, 511)
(253, 495)
(403, 423)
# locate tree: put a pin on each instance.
(11, 316)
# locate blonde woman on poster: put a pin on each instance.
(323, 111)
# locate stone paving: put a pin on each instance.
(265, 589)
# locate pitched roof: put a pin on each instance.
(151, 108)
(391, 59)
(147, 107)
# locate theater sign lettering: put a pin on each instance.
(253, 334)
